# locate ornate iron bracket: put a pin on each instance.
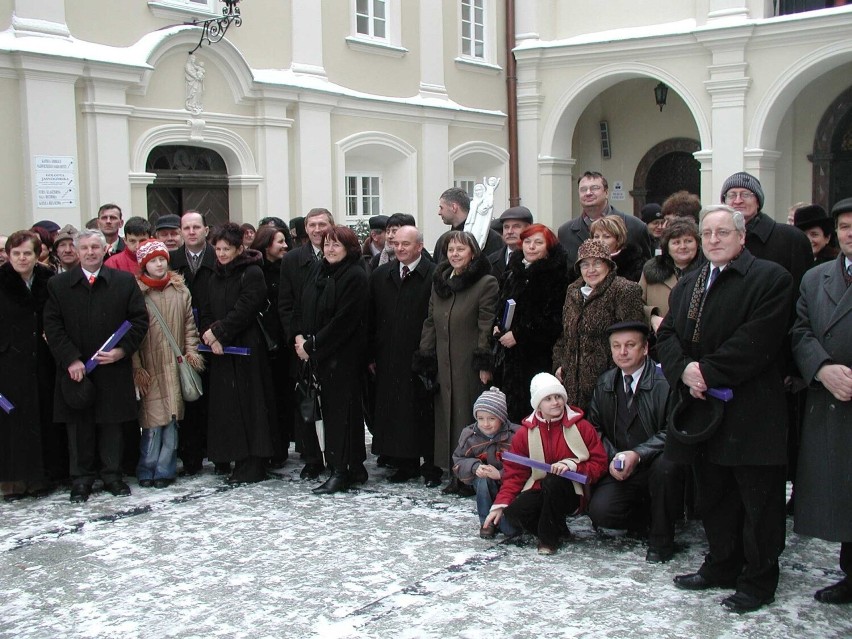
(213, 30)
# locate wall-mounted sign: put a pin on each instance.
(617, 193)
(55, 181)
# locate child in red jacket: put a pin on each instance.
(556, 434)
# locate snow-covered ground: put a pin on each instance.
(202, 559)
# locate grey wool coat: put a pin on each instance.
(822, 334)
(455, 344)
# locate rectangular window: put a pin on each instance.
(473, 28)
(371, 18)
(465, 183)
(363, 195)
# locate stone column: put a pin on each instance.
(432, 51)
(306, 35)
(273, 158)
(313, 160)
(436, 177)
(555, 203)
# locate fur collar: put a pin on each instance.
(176, 281)
(243, 260)
(658, 269)
(13, 286)
(554, 260)
(445, 286)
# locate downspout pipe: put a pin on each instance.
(512, 106)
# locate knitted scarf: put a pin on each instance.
(696, 303)
(150, 282)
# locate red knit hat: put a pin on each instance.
(148, 250)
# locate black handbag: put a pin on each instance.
(307, 393)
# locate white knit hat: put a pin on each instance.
(545, 384)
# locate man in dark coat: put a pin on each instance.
(785, 245)
(295, 267)
(628, 409)
(109, 221)
(195, 261)
(454, 207)
(513, 220)
(725, 328)
(594, 199)
(86, 305)
(822, 348)
(403, 421)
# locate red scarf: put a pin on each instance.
(150, 282)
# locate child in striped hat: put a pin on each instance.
(477, 460)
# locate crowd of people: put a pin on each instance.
(625, 368)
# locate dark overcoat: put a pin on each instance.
(742, 330)
(539, 292)
(630, 261)
(295, 267)
(823, 334)
(27, 372)
(403, 422)
(197, 282)
(582, 350)
(332, 316)
(78, 319)
(241, 409)
(456, 334)
(574, 232)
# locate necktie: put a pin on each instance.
(406, 272)
(628, 389)
(849, 270)
(92, 279)
(710, 280)
(196, 258)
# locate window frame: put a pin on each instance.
(360, 195)
(181, 9)
(391, 44)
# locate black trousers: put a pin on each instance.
(744, 517)
(846, 558)
(651, 495)
(192, 442)
(88, 442)
(543, 512)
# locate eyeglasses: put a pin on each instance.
(585, 265)
(722, 234)
(594, 188)
(745, 196)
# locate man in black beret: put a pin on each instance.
(628, 409)
(513, 220)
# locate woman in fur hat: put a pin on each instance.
(595, 300)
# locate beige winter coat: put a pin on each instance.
(155, 370)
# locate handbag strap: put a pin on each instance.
(169, 337)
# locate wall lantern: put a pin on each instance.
(661, 92)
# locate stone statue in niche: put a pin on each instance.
(193, 73)
(481, 207)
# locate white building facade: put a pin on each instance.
(377, 106)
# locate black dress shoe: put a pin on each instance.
(696, 581)
(311, 471)
(839, 593)
(659, 555)
(146, 483)
(338, 482)
(14, 497)
(431, 482)
(222, 468)
(117, 488)
(744, 602)
(162, 482)
(403, 475)
(80, 493)
(465, 490)
(358, 475)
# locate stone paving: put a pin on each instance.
(203, 559)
